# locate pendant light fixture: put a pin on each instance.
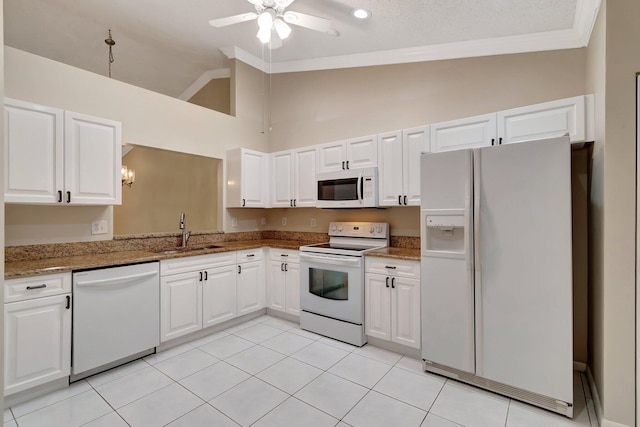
(111, 43)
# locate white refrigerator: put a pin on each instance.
(497, 269)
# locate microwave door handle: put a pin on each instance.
(360, 188)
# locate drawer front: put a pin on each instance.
(198, 262)
(249, 255)
(284, 255)
(393, 267)
(36, 287)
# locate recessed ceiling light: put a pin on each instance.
(361, 13)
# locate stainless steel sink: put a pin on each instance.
(186, 249)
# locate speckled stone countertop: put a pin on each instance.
(410, 254)
(36, 267)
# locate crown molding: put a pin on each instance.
(576, 37)
(201, 81)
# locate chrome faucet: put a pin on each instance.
(185, 234)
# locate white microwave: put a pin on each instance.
(353, 188)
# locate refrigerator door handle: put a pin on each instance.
(477, 272)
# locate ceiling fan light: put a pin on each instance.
(265, 20)
(282, 28)
(264, 34)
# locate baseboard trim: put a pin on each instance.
(579, 366)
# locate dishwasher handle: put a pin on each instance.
(121, 280)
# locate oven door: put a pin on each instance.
(332, 286)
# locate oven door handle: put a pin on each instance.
(330, 259)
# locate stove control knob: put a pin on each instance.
(372, 229)
(334, 227)
(340, 228)
(379, 229)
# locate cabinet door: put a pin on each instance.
(180, 305)
(254, 179)
(331, 157)
(250, 287)
(219, 295)
(293, 288)
(92, 160)
(37, 342)
(362, 152)
(405, 312)
(305, 177)
(415, 142)
(390, 167)
(282, 166)
(276, 286)
(33, 153)
(470, 132)
(541, 121)
(377, 303)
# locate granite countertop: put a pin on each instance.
(18, 269)
(397, 253)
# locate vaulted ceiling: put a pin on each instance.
(166, 45)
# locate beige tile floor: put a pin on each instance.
(269, 372)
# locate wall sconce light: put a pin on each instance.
(128, 176)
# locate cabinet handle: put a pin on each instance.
(393, 279)
(405, 200)
(68, 302)
(387, 281)
(244, 202)
(250, 255)
(493, 141)
(391, 267)
(291, 202)
(59, 196)
(286, 267)
(200, 277)
(399, 199)
(343, 165)
(36, 287)
(206, 275)
(347, 164)
(295, 203)
(285, 255)
(239, 269)
(68, 196)
(282, 266)
(500, 141)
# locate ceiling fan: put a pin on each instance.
(273, 21)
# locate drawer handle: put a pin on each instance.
(36, 287)
(391, 267)
(251, 255)
(284, 254)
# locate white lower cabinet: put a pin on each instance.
(37, 339)
(219, 295)
(180, 304)
(250, 287)
(283, 281)
(392, 301)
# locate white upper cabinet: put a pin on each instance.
(247, 172)
(354, 153)
(93, 160)
(572, 116)
(293, 180)
(53, 156)
(541, 121)
(399, 166)
(471, 132)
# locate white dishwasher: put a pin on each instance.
(116, 314)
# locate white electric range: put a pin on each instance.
(332, 280)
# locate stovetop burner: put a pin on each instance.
(352, 238)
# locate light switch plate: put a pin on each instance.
(313, 222)
(284, 220)
(99, 227)
(234, 222)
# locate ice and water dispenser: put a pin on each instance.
(443, 232)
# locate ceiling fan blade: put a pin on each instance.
(283, 3)
(307, 21)
(256, 2)
(235, 19)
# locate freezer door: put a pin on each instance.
(447, 290)
(523, 266)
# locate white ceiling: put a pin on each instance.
(166, 45)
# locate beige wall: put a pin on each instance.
(614, 203)
(215, 95)
(168, 183)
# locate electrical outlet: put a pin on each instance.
(284, 220)
(263, 221)
(99, 227)
(313, 222)
(234, 222)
